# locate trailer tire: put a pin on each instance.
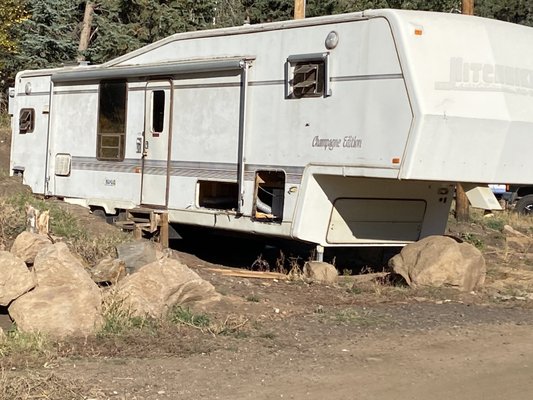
(525, 205)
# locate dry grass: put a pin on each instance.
(229, 325)
(62, 224)
(34, 385)
(12, 223)
(497, 220)
(20, 349)
(5, 127)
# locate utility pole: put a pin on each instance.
(299, 9)
(85, 35)
(462, 211)
(468, 7)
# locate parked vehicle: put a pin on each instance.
(345, 130)
(516, 197)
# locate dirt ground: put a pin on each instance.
(314, 342)
(293, 340)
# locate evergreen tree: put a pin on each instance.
(517, 11)
(12, 13)
(125, 25)
(268, 10)
(50, 36)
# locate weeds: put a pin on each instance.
(20, 343)
(120, 319)
(231, 325)
(473, 240)
(268, 335)
(184, 316)
(354, 290)
(495, 223)
(280, 263)
(357, 317)
(253, 298)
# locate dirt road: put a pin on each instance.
(400, 352)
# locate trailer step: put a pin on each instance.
(146, 221)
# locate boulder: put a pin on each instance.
(15, 278)
(65, 302)
(316, 271)
(108, 269)
(27, 245)
(156, 287)
(137, 254)
(440, 261)
(517, 241)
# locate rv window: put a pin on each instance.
(218, 195)
(158, 110)
(307, 76)
(111, 120)
(26, 120)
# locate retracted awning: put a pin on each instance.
(152, 70)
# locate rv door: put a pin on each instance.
(157, 128)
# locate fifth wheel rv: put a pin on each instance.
(346, 130)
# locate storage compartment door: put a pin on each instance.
(356, 220)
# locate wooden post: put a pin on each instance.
(85, 34)
(163, 230)
(462, 211)
(468, 7)
(137, 232)
(299, 9)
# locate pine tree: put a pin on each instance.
(12, 13)
(49, 37)
(126, 25)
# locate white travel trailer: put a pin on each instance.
(346, 130)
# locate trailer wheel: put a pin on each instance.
(525, 205)
(100, 212)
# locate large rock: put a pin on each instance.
(108, 269)
(65, 302)
(316, 271)
(27, 245)
(156, 287)
(517, 241)
(15, 278)
(440, 261)
(137, 254)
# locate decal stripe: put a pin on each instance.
(201, 170)
(177, 86)
(366, 77)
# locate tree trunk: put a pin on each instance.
(462, 210)
(86, 29)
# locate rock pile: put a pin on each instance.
(50, 290)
